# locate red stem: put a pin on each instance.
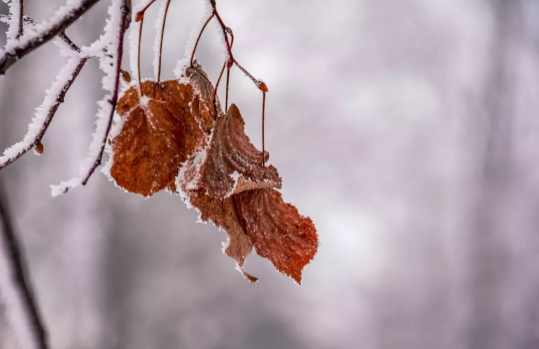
(199, 36)
(161, 44)
(138, 57)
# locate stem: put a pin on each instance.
(227, 84)
(141, 13)
(20, 275)
(161, 43)
(225, 65)
(199, 36)
(50, 115)
(138, 58)
(263, 127)
(261, 85)
(35, 40)
(21, 18)
(126, 11)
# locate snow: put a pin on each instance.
(110, 41)
(41, 112)
(15, 307)
(13, 22)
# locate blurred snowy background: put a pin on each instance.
(406, 129)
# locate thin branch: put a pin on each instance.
(20, 276)
(36, 143)
(126, 14)
(30, 41)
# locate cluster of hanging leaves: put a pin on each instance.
(176, 137)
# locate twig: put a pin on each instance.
(126, 14)
(19, 275)
(31, 41)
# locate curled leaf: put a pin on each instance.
(277, 230)
(231, 163)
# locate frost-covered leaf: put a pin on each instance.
(232, 163)
(222, 213)
(277, 230)
(161, 130)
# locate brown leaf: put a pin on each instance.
(277, 230)
(223, 215)
(231, 163)
(161, 130)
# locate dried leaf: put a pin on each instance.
(161, 130)
(223, 215)
(277, 230)
(231, 163)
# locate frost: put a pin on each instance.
(41, 112)
(109, 42)
(40, 28)
(13, 22)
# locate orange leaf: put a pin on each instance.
(277, 230)
(223, 215)
(231, 163)
(161, 130)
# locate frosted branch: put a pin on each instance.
(62, 19)
(113, 38)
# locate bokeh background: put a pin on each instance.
(407, 130)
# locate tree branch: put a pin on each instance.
(63, 18)
(19, 275)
